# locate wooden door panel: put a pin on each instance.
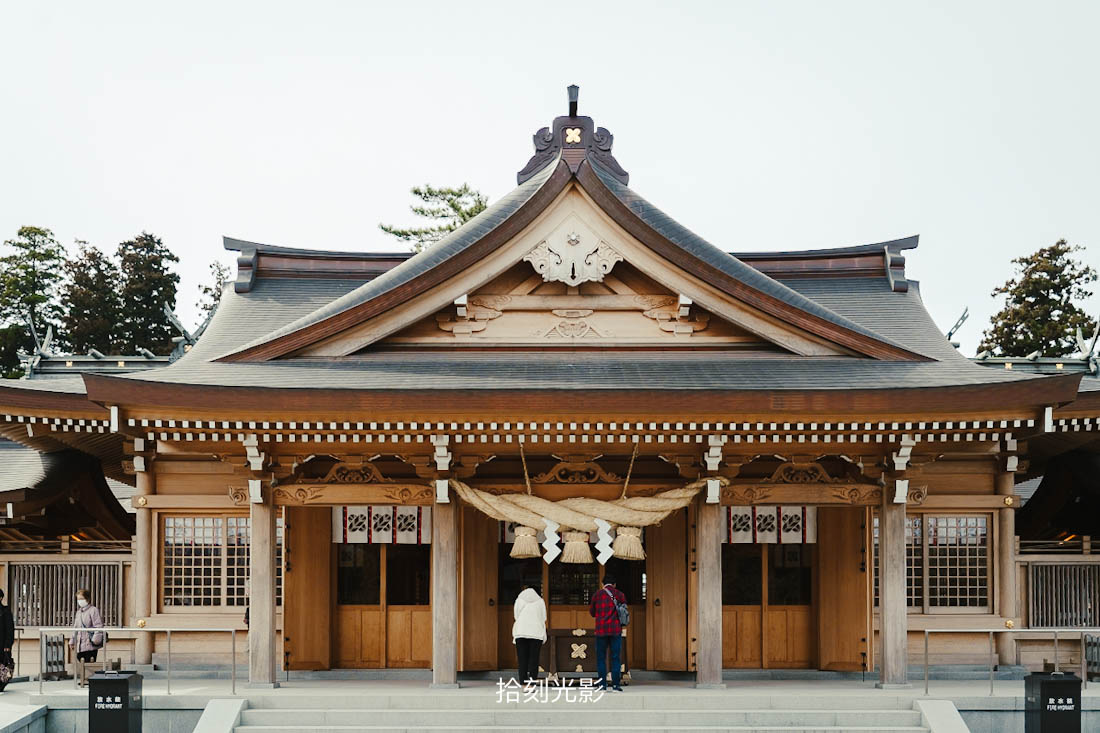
(790, 637)
(307, 598)
(666, 608)
(371, 635)
(359, 634)
(841, 579)
(801, 636)
(741, 636)
(421, 636)
(777, 637)
(348, 641)
(478, 590)
(399, 637)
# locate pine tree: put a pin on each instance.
(148, 284)
(448, 208)
(211, 295)
(1039, 312)
(29, 278)
(92, 308)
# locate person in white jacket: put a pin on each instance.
(529, 632)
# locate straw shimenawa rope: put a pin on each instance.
(579, 514)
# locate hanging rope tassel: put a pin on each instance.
(628, 540)
(576, 548)
(628, 543)
(526, 544)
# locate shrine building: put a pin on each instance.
(778, 455)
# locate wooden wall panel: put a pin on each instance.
(307, 633)
(841, 579)
(478, 589)
(666, 603)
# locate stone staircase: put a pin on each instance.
(634, 710)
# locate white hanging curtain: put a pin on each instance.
(786, 525)
(382, 524)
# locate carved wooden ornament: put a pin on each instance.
(573, 258)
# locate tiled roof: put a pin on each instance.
(448, 247)
(718, 258)
(26, 468)
(586, 370)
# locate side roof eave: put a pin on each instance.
(19, 395)
(1033, 393)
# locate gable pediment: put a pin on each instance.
(574, 278)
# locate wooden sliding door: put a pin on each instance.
(383, 608)
(767, 606)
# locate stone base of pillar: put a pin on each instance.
(143, 649)
(264, 685)
(710, 685)
(443, 686)
(894, 685)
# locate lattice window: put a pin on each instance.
(947, 562)
(958, 562)
(205, 561)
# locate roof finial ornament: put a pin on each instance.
(573, 139)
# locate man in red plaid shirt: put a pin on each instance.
(609, 632)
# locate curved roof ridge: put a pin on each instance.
(893, 245)
(675, 232)
(240, 245)
(455, 242)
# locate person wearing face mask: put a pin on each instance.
(87, 645)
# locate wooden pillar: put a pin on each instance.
(893, 623)
(708, 572)
(143, 565)
(445, 595)
(1006, 568)
(261, 610)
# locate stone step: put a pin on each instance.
(578, 729)
(536, 715)
(631, 699)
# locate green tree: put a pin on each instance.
(29, 278)
(147, 285)
(13, 339)
(446, 208)
(90, 301)
(1039, 312)
(210, 295)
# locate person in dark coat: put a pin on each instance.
(7, 635)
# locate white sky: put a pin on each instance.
(761, 126)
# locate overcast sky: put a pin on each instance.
(761, 126)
